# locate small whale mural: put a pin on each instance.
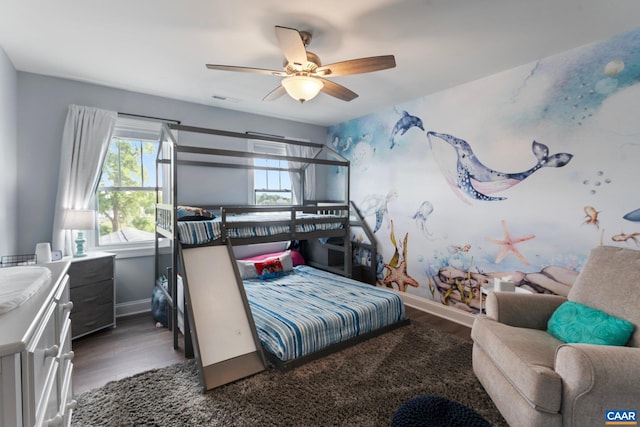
(406, 122)
(478, 181)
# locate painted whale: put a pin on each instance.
(478, 181)
(406, 122)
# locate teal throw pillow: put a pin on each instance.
(573, 322)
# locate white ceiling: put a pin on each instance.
(160, 47)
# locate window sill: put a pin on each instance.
(133, 251)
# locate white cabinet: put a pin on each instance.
(36, 357)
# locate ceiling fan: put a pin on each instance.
(305, 75)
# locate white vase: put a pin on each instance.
(43, 253)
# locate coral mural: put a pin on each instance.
(519, 174)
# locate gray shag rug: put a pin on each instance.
(363, 385)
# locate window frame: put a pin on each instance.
(266, 147)
(136, 129)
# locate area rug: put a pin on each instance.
(361, 386)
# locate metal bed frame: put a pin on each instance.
(172, 155)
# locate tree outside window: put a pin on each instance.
(126, 194)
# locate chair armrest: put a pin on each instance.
(522, 310)
(596, 378)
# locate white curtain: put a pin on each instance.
(85, 140)
(309, 174)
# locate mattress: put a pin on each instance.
(200, 232)
(308, 310)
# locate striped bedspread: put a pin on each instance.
(310, 309)
(200, 232)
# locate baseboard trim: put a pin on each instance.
(437, 309)
(133, 307)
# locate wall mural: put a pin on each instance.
(516, 176)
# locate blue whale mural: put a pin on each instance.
(478, 181)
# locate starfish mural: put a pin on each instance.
(509, 244)
(397, 270)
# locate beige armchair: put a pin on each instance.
(537, 380)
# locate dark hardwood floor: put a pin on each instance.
(136, 345)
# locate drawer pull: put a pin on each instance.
(55, 421)
(51, 351)
(90, 299)
(73, 404)
(68, 355)
(67, 306)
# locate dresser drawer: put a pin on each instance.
(64, 306)
(86, 321)
(65, 354)
(90, 270)
(87, 297)
(47, 406)
(67, 402)
(38, 368)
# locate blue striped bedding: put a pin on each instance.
(200, 232)
(310, 309)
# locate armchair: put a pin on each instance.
(537, 380)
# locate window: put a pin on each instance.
(126, 194)
(271, 180)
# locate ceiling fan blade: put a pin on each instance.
(337, 90)
(275, 94)
(292, 45)
(246, 70)
(357, 66)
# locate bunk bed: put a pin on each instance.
(315, 218)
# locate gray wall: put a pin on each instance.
(42, 108)
(8, 158)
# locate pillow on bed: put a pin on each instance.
(285, 257)
(247, 269)
(296, 258)
(269, 268)
(249, 266)
(190, 213)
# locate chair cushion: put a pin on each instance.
(526, 359)
(573, 322)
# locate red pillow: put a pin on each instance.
(296, 257)
(270, 268)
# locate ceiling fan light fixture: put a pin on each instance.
(302, 88)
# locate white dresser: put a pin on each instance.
(36, 357)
